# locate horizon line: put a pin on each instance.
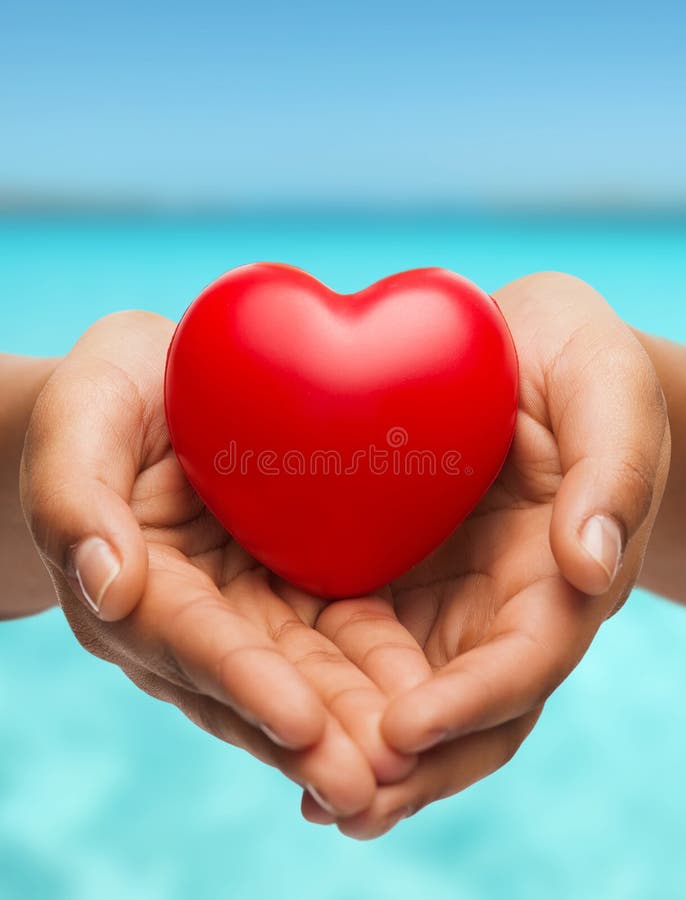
(36, 205)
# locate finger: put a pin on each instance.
(608, 415)
(184, 630)
(442, 772)
(82, 453)
(333, 769)
(313, 812)
(368, 633)
(349, 695)
(536, 640)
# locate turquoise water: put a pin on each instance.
(105, 793)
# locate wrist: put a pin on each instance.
(26, 586)
(22, 378)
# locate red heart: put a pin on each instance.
(340, 438)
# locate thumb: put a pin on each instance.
(80, 461)
(609, 417)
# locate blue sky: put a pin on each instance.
(263, 102)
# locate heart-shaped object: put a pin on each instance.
(341, 438)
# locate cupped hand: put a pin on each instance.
(453, 662)
(170, 598)
(507, 607)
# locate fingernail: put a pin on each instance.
(321, 799)
(601, 538)
(96, 568)
(277, 739)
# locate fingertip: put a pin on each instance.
(335, 773)
(601, 542)
(358, 831)
(394, 765)
(299, 721)
(314, 813)
(367, 826)
(111, 571)
(356, 792)
(301, 729)
(388, 764)
(126, 590)
(406, 725)
(344, 796)
(587, 543)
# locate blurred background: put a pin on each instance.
(146, 148)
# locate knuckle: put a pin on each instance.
(549, 283)
(339, 619)
(357, 696)
(127, 318)
(127, 321)
(233, 664)
(320, 656)
(388, 646)
(229, 666)
(287, 629)
(127, 326)
(565, 294)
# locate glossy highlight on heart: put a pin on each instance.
(340, 438)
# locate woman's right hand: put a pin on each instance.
(150, 581)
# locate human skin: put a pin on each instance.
(98, 435)
(26, 586)
(663, 569)
(502, 611)
(454, 661)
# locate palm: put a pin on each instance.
(360, 653)
(488, 615)
(194, 559)
(494, 579)
(356, 653)
(475, 585)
